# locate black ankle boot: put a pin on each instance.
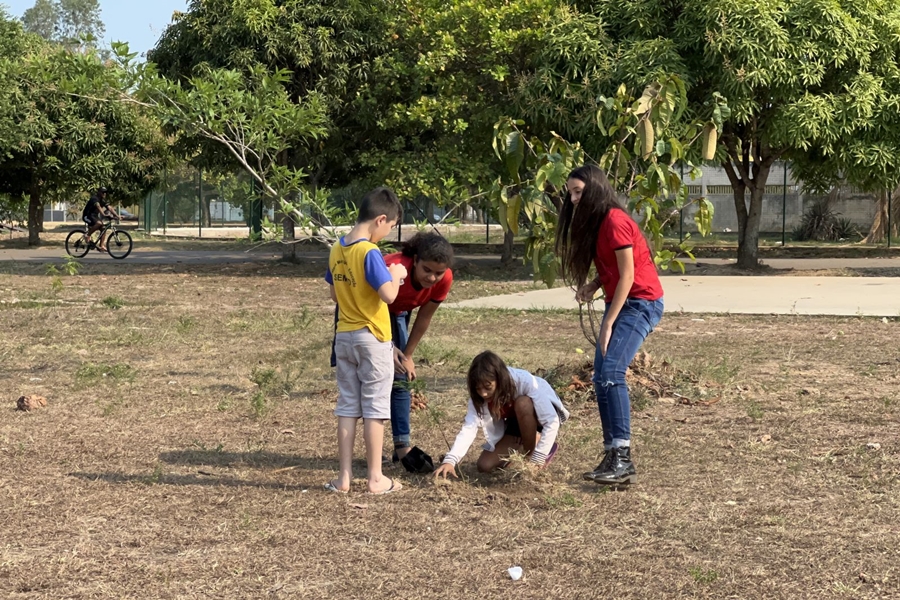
(601, 468)
(618, 470)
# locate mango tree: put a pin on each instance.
(60, 144)
(652, 142)
(813, 83)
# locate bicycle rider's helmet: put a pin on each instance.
(102, 190)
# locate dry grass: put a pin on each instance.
(188, 433)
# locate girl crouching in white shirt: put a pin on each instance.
(517, 412)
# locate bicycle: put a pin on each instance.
(118, 243)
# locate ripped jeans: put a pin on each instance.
(635, 322)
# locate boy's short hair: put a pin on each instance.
(380, 201)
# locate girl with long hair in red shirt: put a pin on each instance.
(594, 228)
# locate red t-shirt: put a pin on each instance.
(507, 411)
(411, 296)
(618, 231)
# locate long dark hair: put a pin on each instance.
(576, 239)
(430, 246)
(487, 367)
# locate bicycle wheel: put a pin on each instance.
(119, 244)
(76, 245)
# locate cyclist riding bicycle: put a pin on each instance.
(95, 209)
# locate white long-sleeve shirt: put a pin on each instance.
(547, 406)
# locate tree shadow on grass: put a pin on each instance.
(256, 459)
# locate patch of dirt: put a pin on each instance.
(191, 429)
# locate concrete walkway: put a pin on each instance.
(765, 294)
(869, 296)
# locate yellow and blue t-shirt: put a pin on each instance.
(356, 271)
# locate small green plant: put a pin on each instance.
(155, 477)
(275, 381)
(264, 377)
(270, 382)
(88, 374)
(416, 386)
(436, 416)
(224, 404)
(185, 324)
(203, 447)
(56, 284)
(722, 372)
(301, 321)
(259, 404)
(754, 411)
(113, 302)
(71, 265)
(703, 576)
(564, 500)
(846, 590)
(640, 399)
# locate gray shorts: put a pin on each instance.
(365, 375)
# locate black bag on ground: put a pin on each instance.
(416, 461)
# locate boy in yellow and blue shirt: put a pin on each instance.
(363, 286)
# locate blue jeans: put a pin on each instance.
(635, 322)
(401, 399)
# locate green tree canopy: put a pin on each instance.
(814, 82)
(43, 19)
(60, 135)
(325, 47)
(65, 21)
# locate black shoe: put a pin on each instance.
(619, 469)
(601, 468)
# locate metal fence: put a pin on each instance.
(190, 201)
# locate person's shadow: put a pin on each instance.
(217, 462)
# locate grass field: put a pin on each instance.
(188, 433)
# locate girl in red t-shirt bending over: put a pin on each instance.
(593, 227)
(427, 257)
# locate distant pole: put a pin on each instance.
(200, 200)
(784, 205)
(889, 218)
(681, 212)
(165, 198)
(487, 228)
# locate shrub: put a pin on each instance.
(822, 224)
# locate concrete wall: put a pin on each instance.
(777, 206)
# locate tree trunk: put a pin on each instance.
(288, 248)
(206, 216)
(749, 217)
(748, 230)
(879, 225)
(35, 216)
(508, 238)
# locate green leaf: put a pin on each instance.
(512, 213)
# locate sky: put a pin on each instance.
(138, 22)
